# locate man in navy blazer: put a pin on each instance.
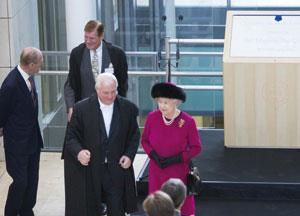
(21, 133)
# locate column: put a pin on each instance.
(171, 19)
(78, 13)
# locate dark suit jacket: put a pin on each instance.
(86, 131)
(118, 60)
(19, 116)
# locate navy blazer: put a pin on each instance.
(19, 116)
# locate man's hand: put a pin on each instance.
(70, 112)
(125, 162)
(84, 157)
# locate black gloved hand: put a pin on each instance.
(156, 158)
(171, 160)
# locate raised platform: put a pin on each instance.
(256, 174)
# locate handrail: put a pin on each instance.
(150, 73)
(57, 53)
(169, 41)
(137, 53)
(168, 53)
(196, 41)
(201, 87)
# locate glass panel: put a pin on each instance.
(137, 62)
(52, 111)
(200, 22)
(142, 3)
(201, 59)
(206, 107)
(199, 3)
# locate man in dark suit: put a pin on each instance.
(21, 133)
(102, 140)
(90, 58)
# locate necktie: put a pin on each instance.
(32, 87)
(95, 64)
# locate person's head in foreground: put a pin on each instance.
(159, 204)
(176, 189)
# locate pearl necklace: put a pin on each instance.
(172, 119)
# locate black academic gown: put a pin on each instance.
(85, 131)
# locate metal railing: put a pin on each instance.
(174, 74)
(147, 73)
(169, 41)
(137, 78)
(168, 58)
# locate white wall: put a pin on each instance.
(78, 13)
(19, 29)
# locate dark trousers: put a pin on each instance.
(113, 195)
(24, 170)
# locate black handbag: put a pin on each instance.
(194, 183)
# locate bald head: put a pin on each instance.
(30, 55)
(31, 60)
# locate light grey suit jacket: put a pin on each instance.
(87, 77)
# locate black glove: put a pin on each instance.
(156, 158)
(171, 160)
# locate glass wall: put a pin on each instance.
(149, 23)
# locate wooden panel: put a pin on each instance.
(261, 105)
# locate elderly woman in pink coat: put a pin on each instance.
(170, 139)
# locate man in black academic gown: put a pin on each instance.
(102, 140)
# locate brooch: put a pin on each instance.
(181, 123)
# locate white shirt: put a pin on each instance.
(99, 54)
(107, 112)
(25, 77)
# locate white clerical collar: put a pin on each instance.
(102, 105)
(23, 73)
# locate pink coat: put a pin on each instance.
(169, 140)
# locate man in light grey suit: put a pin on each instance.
(81, 79)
